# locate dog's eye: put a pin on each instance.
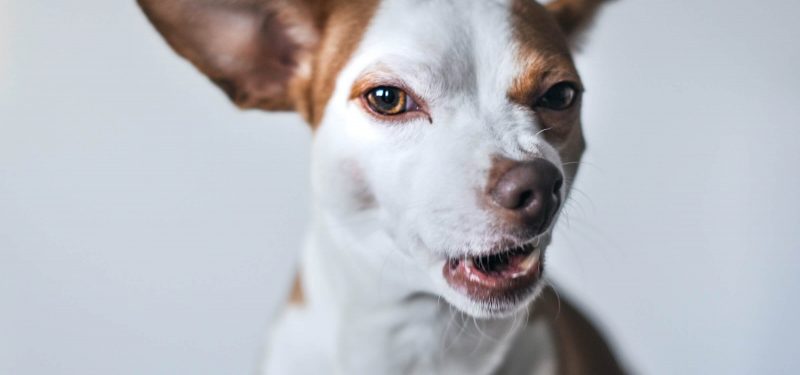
(389, 101)
(559, 97)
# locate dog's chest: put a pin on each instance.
(301, 343)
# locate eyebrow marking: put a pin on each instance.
(542, 53)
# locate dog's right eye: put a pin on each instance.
(389, 101)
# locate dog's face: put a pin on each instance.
(446, 132)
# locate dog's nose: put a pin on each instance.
(528, 192)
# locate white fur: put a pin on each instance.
(377, 302)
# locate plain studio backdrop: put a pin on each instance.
(148, 227)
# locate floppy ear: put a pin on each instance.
(574, 16)
(258, 51)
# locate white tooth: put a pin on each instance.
(530, 260)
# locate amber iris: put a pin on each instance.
(388, 101)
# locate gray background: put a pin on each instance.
(148, 227)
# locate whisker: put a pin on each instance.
(541, 131)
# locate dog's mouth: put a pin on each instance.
(501, 276)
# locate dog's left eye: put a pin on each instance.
(389, 101)
(559, 97)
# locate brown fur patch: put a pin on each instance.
(542, 52)
(580, 346)
(296, 296)
(545, 58)
(345, 24)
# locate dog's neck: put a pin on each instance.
(378, 318)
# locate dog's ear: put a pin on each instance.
(574, 16)
(258, 51)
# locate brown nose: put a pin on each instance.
(528, 192)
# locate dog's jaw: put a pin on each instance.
(380, 313)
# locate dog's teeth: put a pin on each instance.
(530, 260)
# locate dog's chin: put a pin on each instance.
(493, 309)
(494, 285)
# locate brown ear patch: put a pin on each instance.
(266, 54)
(251, 49)
(259, 76)
(574, 16)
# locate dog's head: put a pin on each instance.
(453, 127)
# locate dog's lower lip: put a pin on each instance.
(502, 275)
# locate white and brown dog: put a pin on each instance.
(446, 136)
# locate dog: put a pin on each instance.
(446, 136)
